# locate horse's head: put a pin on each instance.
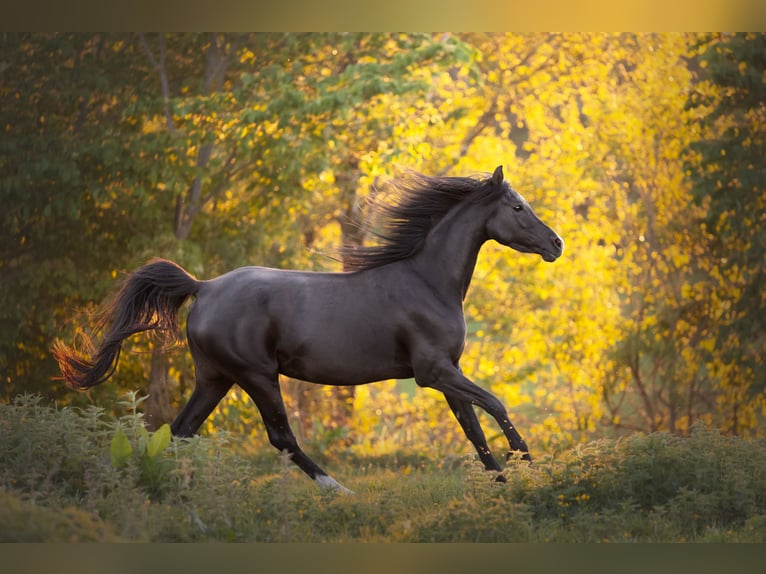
(513, 223)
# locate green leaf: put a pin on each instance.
(159, 441)
(120, 449)
(143, 439)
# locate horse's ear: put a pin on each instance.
(497, 177)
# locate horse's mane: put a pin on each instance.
(401, 217)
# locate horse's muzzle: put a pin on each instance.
(554, 252)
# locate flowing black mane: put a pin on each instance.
(418, 203)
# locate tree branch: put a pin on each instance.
(159, 65)
(216, 63)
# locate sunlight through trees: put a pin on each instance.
(644, 151)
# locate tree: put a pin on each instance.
(214, 150)
(615, 340)
(728, 178)
(540, 333)
(58, 168)
(653, 383)
(217, 150)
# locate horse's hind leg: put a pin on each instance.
(267, 396)
(209, 389)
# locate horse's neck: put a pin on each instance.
(448, 257)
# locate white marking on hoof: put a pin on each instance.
(324, 481)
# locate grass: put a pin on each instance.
(58, 483)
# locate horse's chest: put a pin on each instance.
(456, 343)
(441, 329)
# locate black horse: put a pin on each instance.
(397, 313)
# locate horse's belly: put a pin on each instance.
(350, 365)
(350, 378)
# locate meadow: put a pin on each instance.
(79, 475)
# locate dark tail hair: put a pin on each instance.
(148, 300)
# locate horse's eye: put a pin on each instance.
(518, 207)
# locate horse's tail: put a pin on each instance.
(148, 300)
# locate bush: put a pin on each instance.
(181, 490)
(77, 475)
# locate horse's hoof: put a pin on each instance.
(525, 456)
(326, 482)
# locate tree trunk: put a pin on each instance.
(157, 408)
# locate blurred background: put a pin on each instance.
(644, 151)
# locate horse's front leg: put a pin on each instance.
(458, 389)
(468, 420)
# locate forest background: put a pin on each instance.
(644, 151)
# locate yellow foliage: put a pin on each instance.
(592, 129)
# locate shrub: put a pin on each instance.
(77, 475)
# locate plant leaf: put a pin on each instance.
(120, 449)
(159, 441)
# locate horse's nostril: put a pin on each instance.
(558, 243)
